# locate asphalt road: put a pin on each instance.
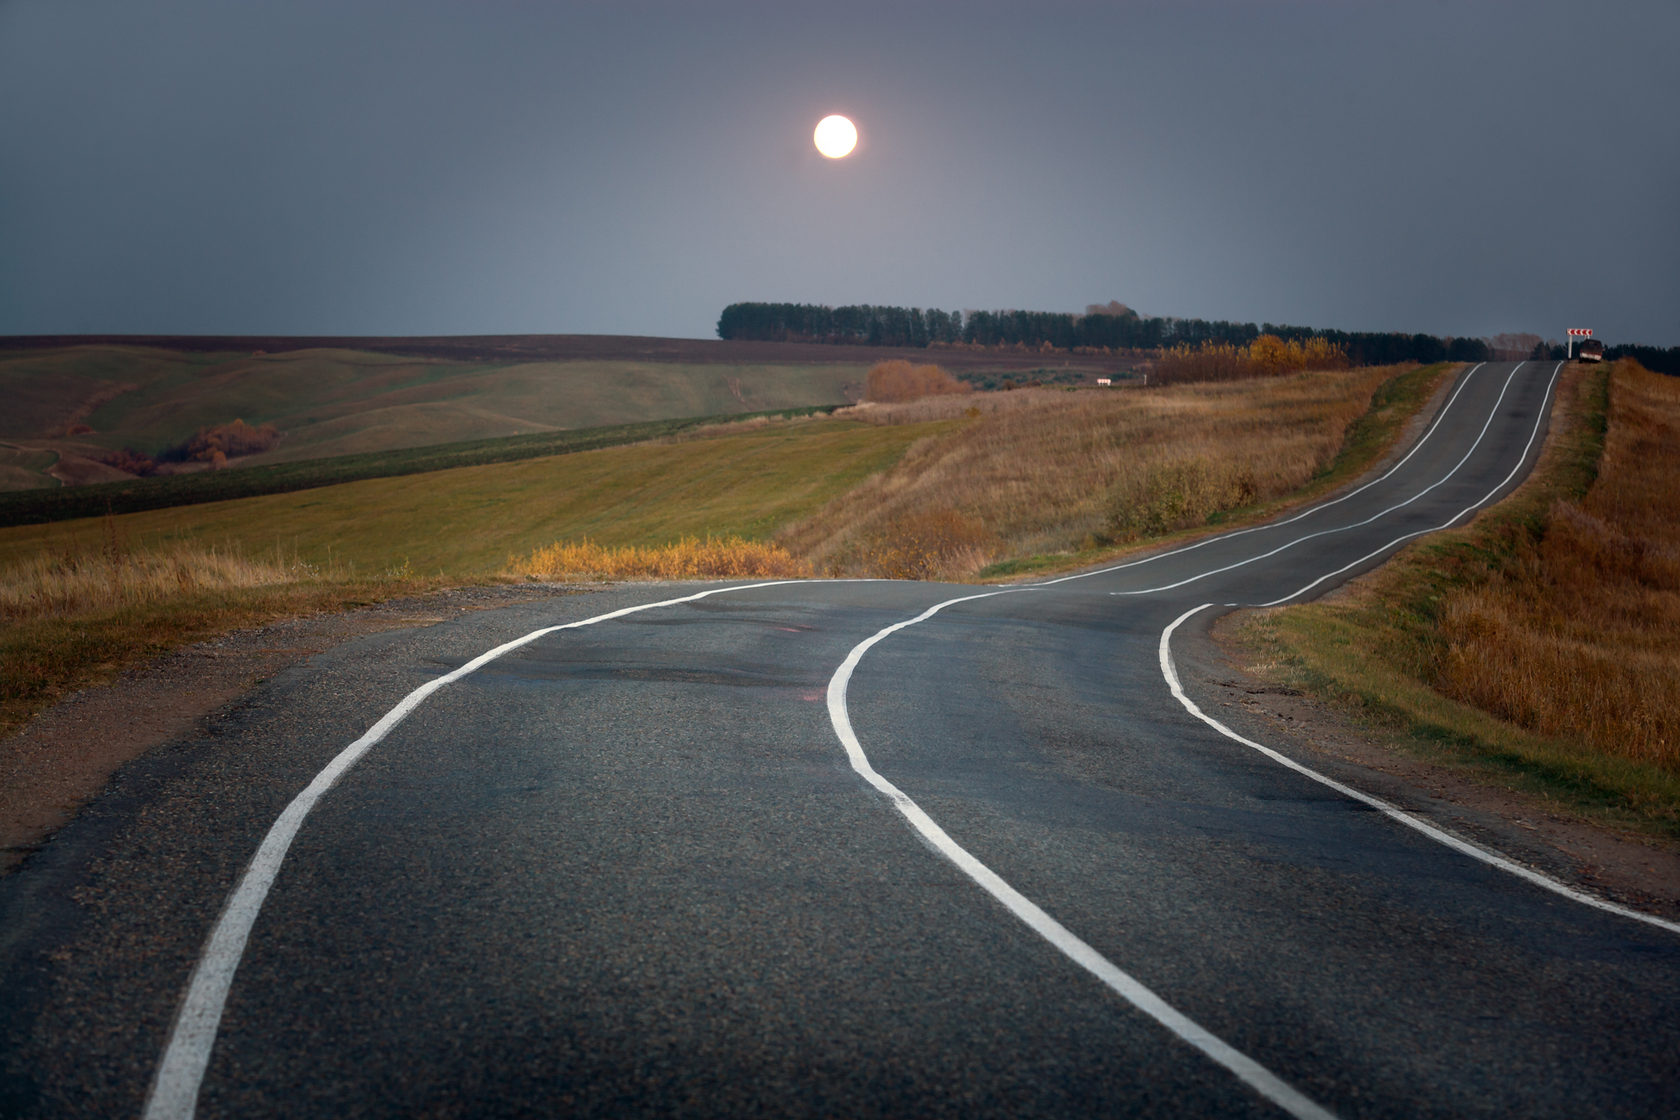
(745, 854)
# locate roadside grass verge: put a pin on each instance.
(1537, 644)
(71, 620)
(1040, 479)
(733, 501)
(690, 558)
(83, 600)
(464, 524)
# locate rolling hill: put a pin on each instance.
(75, 400)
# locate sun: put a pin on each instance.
(835, 136)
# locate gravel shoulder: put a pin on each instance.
(1634, 870)
(60, 761)
(65, 758)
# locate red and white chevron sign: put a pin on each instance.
(1584, 332)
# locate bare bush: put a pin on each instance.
(898, 380)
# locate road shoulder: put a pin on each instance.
(62, 759)
(1222, 674)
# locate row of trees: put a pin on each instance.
(1106, 327)
(1653, 358)
(860, 325)
(1266, 356)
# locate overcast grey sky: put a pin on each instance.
(413, 167)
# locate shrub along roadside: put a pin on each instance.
(1496, 647)
(70, 622)
(690, 558)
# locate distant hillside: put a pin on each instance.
(75, 402)
(535, 347)
(39, 505)
(71, 409)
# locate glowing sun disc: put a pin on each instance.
(835, 136)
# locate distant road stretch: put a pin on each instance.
(828, 848)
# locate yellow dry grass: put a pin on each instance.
(690, 558)
(78, 617)
(1576, 636)
(1043, 471)
(87, 582)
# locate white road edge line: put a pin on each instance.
(1244, 1068)
(1316, 507)
(186, 1055)
(1534, 434)
(1170, 671)
(1442, 481)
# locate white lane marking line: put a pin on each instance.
(1308, 512)
(1534, 434)
(1244, 1068)
(1356, 525)
(1170, 671)
(174, 1091)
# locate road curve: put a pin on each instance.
(823, 848)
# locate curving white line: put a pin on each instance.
(1244, 1068)
(1170, 671)
(1492, 413)
(174, 1090)
(1534, 434)
(1308, 512)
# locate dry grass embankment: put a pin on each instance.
(929, 488)
(72, 619)
(1576, 634)
(690, 558)
(1056, 472)
(1540, 641)
(82, 600)
(892, 381)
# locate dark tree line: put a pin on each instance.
(859, 325)
(1653, 358)
(870, 325)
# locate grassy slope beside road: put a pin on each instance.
(346, 544)
(1045, 479)
(1537, 645)
(261, 558)
(465, 523)
(36, 506)
(82, 600)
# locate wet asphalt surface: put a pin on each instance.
(627, 870)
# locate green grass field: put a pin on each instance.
(79, 604)
(467, 522)
(38, 504)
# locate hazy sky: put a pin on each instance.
(407, 167)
